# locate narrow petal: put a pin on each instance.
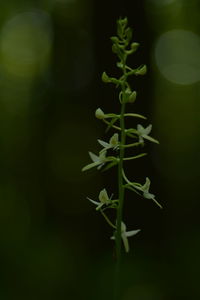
(149, 138)
(104, 144)
(140, 128)
(99, 206)
(148, 129)
(100, 166)
(93, 157)
(125, 241)
(145, 187)
(94, 202)
(92, 165)
(132, 232)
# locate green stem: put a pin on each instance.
(118, 240)
(120, 207)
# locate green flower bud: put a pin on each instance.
(99, 114)
(105, 77)
(114, 39)
(134, 46)
(132, 97)
(141, 70)
(114, 48)
(123, 21)
(129, 34)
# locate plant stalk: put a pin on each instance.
(118, 239)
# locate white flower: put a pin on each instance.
(113, 143)
(145, 189)
(125, 234)
(103, 199)
(143, 133)
(98, 161)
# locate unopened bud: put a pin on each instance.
(132, 97)
(134, 46)
(115, 48)
(99, 114)
(105, 77)
(114, 39)
(141, 70)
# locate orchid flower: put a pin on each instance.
(98, 161)
(125, 234)
(103, 199)
(145, 189)
(143, 133)
(113, 143)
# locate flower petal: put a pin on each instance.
(132, 232)
(94, 202)
(125, 242)
(93, 157)
(89, 166)
(104, 144)
(148, 129)
(149, 138)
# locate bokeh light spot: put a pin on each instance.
(162, 2)
(177, 56)
(25, 43)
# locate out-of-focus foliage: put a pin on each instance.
(52, 54)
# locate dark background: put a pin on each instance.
(53, 245)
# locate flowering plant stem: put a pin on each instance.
(122, 47)
(121, 191)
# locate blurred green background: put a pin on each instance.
(53, 245)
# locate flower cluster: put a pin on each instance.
(113, 151)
